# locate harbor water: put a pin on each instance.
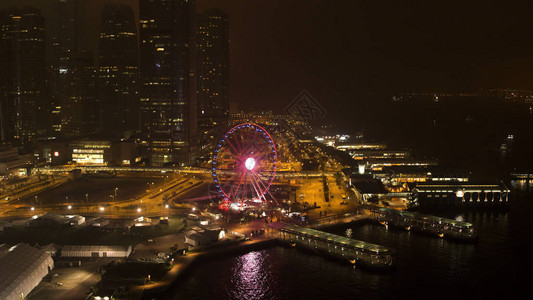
(498, 265)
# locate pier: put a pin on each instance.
(347, 249)
(522, 176)
(462, 194)
(441, 227)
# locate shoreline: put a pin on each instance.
(184, 264)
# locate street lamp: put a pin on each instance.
(32, 208)
(102, 208)
(166, 205)
(69, 207)
(139, 209)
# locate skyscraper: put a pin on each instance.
(4, 124)
(64, 44)
(118, 69)
(24, 63)
(168, 84)
(74, 76)
(78, 95)
(213, 75)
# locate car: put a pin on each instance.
(343, 196)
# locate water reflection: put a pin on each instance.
(250, 276)
(522, 185)
(425, 265)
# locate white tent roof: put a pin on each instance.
(22, 268)
(93, 248)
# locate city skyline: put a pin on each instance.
(265, 149)
(403, 51)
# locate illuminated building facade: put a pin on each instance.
(379, 164)
(91, 152)
(399, 175)
(22, 34)
(212, 34)
(378, 154)
(168, 79)
(476, 194)
(332, 140)
(88, 152)
(361, 146)
(118, 69)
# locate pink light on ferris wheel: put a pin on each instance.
(250, 163)
(244, 164)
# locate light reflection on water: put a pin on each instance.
(426, 266)
(250, 277)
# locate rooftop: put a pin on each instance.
(370, 187)
(420, 216)
(94, 248)
(335, 239)
(462, 185)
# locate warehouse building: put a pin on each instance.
(22, 268)
(95, 251)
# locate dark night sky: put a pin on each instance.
(341, 49)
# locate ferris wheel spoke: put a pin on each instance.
(236, 188)
(225, 151)
(232, 147)
(259, 191)
(238, 143)
(244, 189)
(256, 188)
(263, 154)
(266, 186)
(259, 180)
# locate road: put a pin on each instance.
(313, 191)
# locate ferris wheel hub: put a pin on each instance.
(249, 163)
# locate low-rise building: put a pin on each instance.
(75, 220)
(204, 235)
(47, 220)
(88, 152)
(98, 222)
(368, 189)
(196, 239)
(22, 267)
(11, 161)
(490, 194)
(95, 251)
(54, 220)
(51, 249)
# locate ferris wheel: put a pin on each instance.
(244, 165)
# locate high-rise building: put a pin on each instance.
(63, 46)
(4, 117)
(118, 69)
(24, 110)
(78, 95)
(168, 79)
(213, 75)
(72, 75)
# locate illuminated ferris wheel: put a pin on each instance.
(244, 165)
